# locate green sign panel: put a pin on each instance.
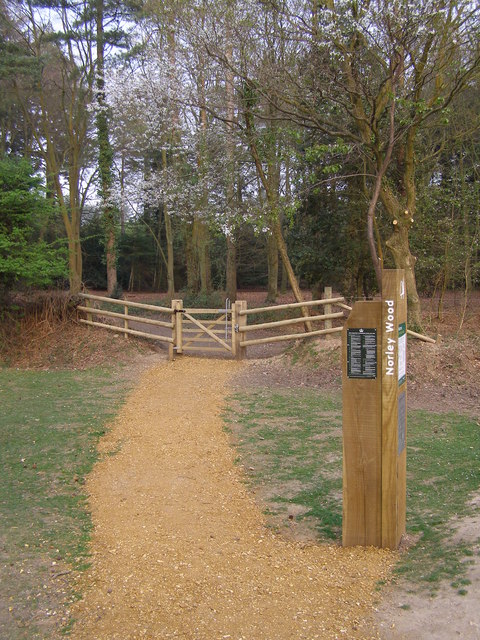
(362, 353)
(402, 422)
(402, 353)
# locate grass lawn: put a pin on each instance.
(49, 426)
(290, 445)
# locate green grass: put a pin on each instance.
(443, 470)
(49, 427)
(283, 438)
(290, 444)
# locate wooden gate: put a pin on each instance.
(204, 329)
(216, 330)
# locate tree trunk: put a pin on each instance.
(231, 270)
(398, 244)
(272, 262)
(467, 243)
(202, 250)
(169, 238)
(74, 265)
(283, 279)
(122, 195)
(274, 222)
(111, 260)
(71, 219)
(191, 261)
(105, 157)
(292, 278)
(170, 256)
(201, 233)
(131, 280)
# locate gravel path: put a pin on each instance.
(181, 550)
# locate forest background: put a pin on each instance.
(197, 147)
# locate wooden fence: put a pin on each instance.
(222, 329)
(242, 328)
(92, 311)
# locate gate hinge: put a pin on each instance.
(236, 328)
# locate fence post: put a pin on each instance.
(177, 331)
(327, 293)
(89, 304)
(125, 322)
(233, 324)
(241, 321)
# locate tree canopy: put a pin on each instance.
(322, 140)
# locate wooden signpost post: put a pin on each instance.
(374, 418)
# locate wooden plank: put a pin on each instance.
(113, 314)
(204, 339)
(292, 305)
(394, 390)
(213, 312)
(283, 323)
(291, 336)
(202, 348)
(136, 305)
(208, 332)
(131, 332)
(211, 323)
(362, 467)
(219, 332)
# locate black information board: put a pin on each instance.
(362, 353)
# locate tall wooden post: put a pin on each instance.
(177, 332)
(241, 321)
(374, 418)
(394, 406)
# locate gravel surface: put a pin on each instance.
(181, 550)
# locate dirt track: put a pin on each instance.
(181, 550)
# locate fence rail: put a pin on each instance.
(292, 336)
(128, 318)
(283, 323)
(291, 305)
(125, 303)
